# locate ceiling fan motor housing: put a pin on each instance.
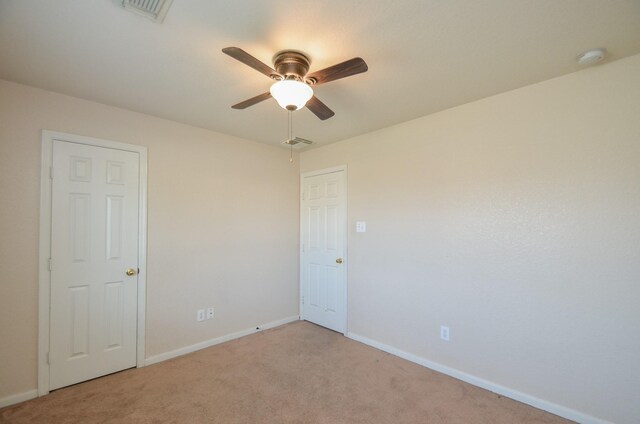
(291, 64)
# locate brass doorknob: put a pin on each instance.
(339, 260)
(131, 272)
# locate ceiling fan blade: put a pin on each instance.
(319, 109)
(249, 60)
(252, 101)
(341, 70)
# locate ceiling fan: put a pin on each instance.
(293, 87)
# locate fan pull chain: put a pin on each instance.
(290, 137)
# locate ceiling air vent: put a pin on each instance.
(155, 10)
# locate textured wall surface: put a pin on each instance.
(515, 221)
(222, 225)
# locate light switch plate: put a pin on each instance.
(361, 227)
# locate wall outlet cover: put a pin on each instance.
(444, 333)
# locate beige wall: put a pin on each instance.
(514, 220)
(222, 225)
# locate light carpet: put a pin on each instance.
(296, 373)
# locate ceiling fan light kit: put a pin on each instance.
(291, 94)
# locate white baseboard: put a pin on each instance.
(20, 397)
(212, 342)
(553, 408)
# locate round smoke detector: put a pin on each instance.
(590, 57)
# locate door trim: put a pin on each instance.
(304, 175)
(44, 276)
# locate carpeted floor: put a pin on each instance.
(297, 373)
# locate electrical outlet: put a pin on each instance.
(209, 313)
(200, 316)
(444, 333)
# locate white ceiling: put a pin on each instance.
(423, 55)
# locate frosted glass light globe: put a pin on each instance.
(291, 94)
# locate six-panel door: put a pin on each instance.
(94, 242)
(323, 267)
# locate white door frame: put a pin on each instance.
(345, 235)
(44, 277)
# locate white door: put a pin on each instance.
(94, 262)
(323, 265)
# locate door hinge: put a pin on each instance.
(50, 265)
(303, 300)
(48, 360)
(51, 172)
